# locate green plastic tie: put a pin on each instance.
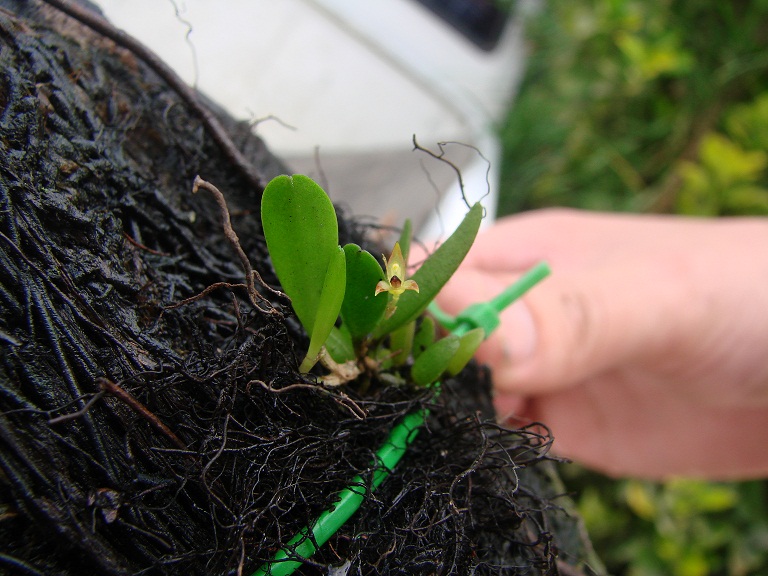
(485, 315)
(309, 539)
(303, 545)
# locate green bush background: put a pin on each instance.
(646, 106)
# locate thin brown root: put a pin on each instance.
(127, 398)
(340, 397)
(79, 413)
(441, 157)
(230, 234)
(204, 293)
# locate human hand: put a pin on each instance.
(645, 351)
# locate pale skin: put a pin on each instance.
(645, 351)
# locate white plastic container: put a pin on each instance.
(351, 82)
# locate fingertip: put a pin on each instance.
(536, 349)
(468, 286)
(514, 341)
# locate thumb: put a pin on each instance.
(568, 328)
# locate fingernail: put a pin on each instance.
(519, 332)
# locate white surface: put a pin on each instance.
(352, 77)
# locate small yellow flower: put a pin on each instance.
(396, 283)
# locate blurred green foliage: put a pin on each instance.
(622, 97)
(650, 106)
(681, 527)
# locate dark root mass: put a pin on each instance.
(141, 438)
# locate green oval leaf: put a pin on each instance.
(339, 345)
(361, 309)
(328, 307)
(435, 272)
(468, 345)
(301, 231)
(405, 238)
(424, 337)
(401, 343)
(434, 360)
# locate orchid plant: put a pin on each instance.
(378, 309)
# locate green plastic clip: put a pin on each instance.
(308, 540)
(485, 315)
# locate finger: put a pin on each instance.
(515, 339)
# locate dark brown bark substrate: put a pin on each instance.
(141, 439)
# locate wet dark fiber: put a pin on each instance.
(141, 438)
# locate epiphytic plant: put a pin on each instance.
(378, 311)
